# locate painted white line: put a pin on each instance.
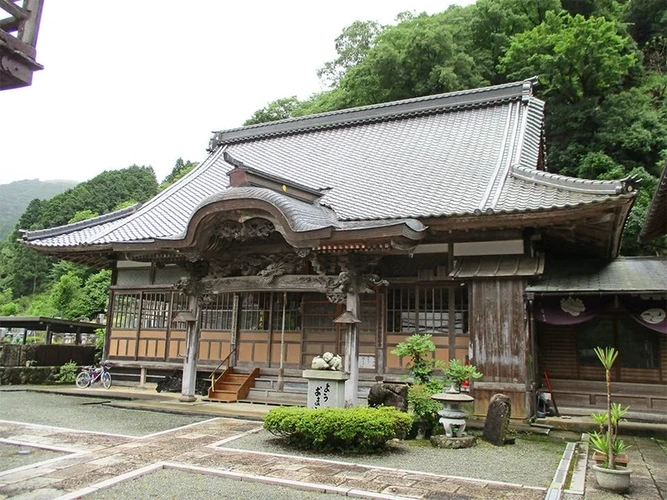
(48, 447)
(219, 444)
(147, 436)
(66, 429)
(111, 482)
(287, 483)
(377, 467)
(42, 463)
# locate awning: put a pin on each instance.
(497, 266)
(624, 275)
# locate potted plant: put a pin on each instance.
(609, 474)
(456, 373)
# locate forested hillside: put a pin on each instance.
(15, 196)
(35, 285)
(601, 67)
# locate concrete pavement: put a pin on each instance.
(199, 449)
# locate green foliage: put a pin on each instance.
(424, 409)
(82, 215)
(496, 21)
(66, 296)
(414, 58)
(458, 372)
(419, 349)
(67, 373)
(346, 430)
(574, 57)
(15, 198)
(276, 110)
(100, 336)
(608, 442)
(180, 169)
(96, 293)
(352, 45)
(99, 195)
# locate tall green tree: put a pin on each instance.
(352, 45)
(574, 57)
(180, 169)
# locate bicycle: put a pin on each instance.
(90, 375)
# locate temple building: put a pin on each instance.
(430, 215)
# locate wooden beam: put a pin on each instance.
(30, 29)
(9, 24)
(13, 9)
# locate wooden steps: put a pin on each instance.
(231, 386)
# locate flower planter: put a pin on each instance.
(617, 480)
(621, 459)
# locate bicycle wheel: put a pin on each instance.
(106, 380)
(82, 380)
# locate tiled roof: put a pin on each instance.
(461, 153)
(628, 274)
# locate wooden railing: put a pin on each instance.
(217, 367)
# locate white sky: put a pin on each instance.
(145, 82)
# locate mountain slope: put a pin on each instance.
(15, 197)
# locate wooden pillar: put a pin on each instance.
(49, 334)
(189, 383)
(352, 352)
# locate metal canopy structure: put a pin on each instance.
(53, 325)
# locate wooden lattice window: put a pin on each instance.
(217, 311)
(292, 311)
(318, 313)
(255, 308)
(179, 304)
(401, 310)
(155, 310)
(421, 309)
(125, 310)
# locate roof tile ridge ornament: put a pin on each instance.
(627, 185)
(438, 103)
(242, 175)
(28, 235)
(157, 199)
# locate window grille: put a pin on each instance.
(419, 309)
(154, 310)
(255, 307)
(217, 311)
(292, 311)
(179, 304)
(125, 310)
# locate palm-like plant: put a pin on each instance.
(607, 357)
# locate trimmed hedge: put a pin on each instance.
(348, 430)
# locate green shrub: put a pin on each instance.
(347, 430)
(424, 409)
(67, 373)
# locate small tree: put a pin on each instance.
(607, 441)
(422, 364)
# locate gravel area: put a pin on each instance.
(84, 413)
(532, 461)
(177, 484)
(13, 456)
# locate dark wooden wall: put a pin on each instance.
(501, 343)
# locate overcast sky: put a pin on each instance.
(145, 82)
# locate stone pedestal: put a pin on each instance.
(326, 389)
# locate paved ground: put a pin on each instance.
(202, 457)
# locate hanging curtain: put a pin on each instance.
(650, 313)
(567, 310)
